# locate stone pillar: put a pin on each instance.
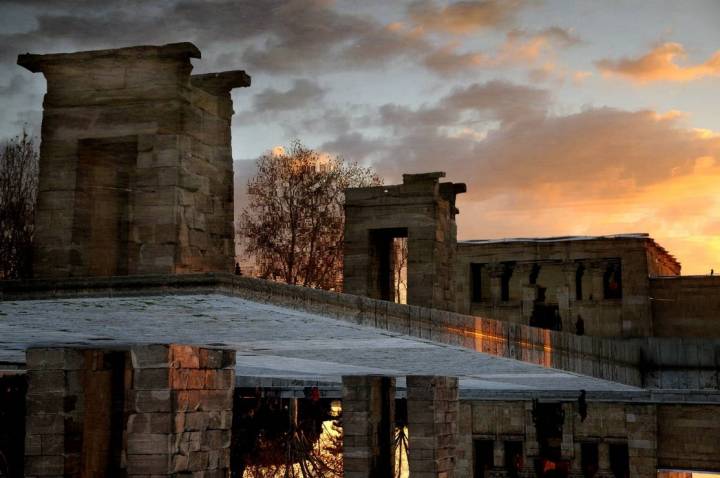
(642, 432)
(368, 419)
(464, 463)
(576, 470)
(147, 410)
(180, 410)
(422, 209)
(432, 403)
(54, 408)
(604, 460)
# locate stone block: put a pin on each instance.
(148, 401)
(158, 464)
(152, 423)
(148, 443)
(152, 379)
(185, 356)
(150, 356)
(53, 465)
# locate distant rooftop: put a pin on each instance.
(635, 235)
(549, 240)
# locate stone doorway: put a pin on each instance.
(388, 264)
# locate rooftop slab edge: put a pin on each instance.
(639, 235)
(36, 62)
(619, 361)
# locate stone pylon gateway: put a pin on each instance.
(421, 209)
(135, 163)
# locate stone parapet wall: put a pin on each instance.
(646, 362)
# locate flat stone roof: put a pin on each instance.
(276, 346)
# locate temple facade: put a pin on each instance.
(624, 285)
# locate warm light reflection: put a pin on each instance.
(325, 450)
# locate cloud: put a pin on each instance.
(531, 172)
(273, 35)
(302, 93)
(464, 17)
(520, 48)
(660, 64)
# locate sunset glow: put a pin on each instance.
(561, 117)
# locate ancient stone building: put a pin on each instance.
(623, 285)
(135, 163)
(202, 374)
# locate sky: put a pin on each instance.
(562, 117)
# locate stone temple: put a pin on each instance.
(135, 352)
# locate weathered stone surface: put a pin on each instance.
(72, 419)
(432, 404)
(129, 134)
(368, 419)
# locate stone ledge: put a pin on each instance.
(643, 362)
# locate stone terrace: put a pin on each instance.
(276, 346)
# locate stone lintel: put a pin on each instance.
(37, 63)
(221, 82)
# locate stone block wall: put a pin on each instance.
(368, 419)
(686, 306)
(135, 163)
(553, 265)
(432, 404)
(157, 410)
(688, 437)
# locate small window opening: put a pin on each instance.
(579, 272)
(534, 273)
(612, 281)
(505, 282)
(476, 282)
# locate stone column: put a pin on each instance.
(604, 460)
(147, 410)
(54, 404)
(432, 425)
(368, 419)
(180, 410)
(576, 470)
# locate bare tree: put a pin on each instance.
(18, 192)
(294, 222)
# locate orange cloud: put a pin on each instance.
(660, 65)
(680, 208)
